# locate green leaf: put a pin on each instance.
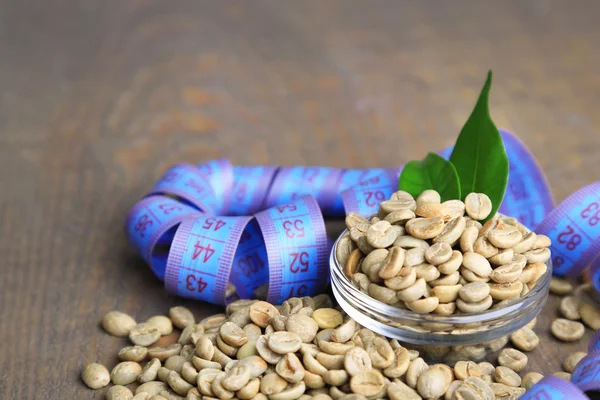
(434, 172)
(479, 154)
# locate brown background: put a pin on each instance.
(97, 98)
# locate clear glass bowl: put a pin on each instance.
(462, 336)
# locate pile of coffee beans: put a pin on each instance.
(436, 257)
(307, 348)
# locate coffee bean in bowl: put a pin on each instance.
(453, 273)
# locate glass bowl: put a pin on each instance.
(472, 334)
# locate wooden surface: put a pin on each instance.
(97, 98)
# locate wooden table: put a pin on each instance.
(98, 98)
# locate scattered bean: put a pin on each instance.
(433, 382)
(367, 383)
(290, 368)
(400, 391)
(502, 391)
(162, 323)
(163, 353)
(399, 365)
(507, 376)
(95, 376)
(125, 373)
(571, 361)
(181, 317)
(189, 373)
(144, 334)
(175, 363)
(119, 392)
(525, 339)
(530, 379)
(272, 383)
(513, 359)
(305, 327)
(327, 318)
(415, 368)
(566, 330)
(150, 371)
(284, 342)
(233, 335)
(451, 389)
(133, 353)
(117, 323)
(178, 384)
(152, 388)
(569, 308)
(262, 313)
(464, 369)
(590, 315)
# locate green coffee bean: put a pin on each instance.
(125, 373)
(590, 314)
(566, 330)
(569, 308)
(95, 376)
(144, 334)
(133, 353)
(150, 371)
(162, 323)
(119, 392)
(367, 383)
(152, 388)
(478, 206)
(512, 359)
(507, 376)
(571, 361)
(162, 353)
(525, 339)
(118, 324)
(433, 382)
(530, 379)
(181, 317)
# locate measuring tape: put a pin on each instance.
(553, 388)
(587, 373)
(595, 342)
(248, 199)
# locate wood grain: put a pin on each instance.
(98, 98)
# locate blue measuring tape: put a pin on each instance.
(253, 194)
(553, 388)
(595, 342)
(574, 229)
(587, 373)
(374, 186)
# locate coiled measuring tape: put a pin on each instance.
(236, 208)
